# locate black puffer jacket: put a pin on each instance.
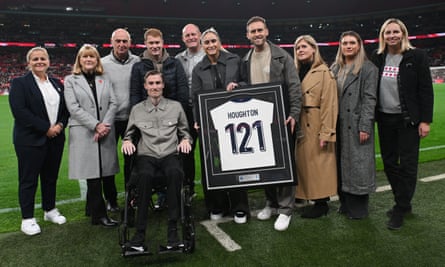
(175, 80)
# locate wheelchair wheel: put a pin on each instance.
(189, 236)
(188, 224)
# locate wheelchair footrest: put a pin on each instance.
(132, 251)
(169, 249)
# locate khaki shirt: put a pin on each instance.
(161, 127)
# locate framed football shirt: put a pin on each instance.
(244, 139)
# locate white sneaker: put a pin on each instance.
(216, 216)
(240, 217)
(30, 227)
(266, 213)
(282, 222)
(54, 216)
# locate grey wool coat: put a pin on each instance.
(88, 158)
(357, 100)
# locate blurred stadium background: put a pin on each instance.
(64, 25)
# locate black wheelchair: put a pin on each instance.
(187, 242)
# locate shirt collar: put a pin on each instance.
(38, 79)
(189, 54)
(150, 107)
(122, 61)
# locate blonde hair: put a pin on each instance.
(317, 60)
(405, 43)
(212, 30)
(34, 49)
(89, 50)
(359, 58)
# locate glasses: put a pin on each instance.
(213, 41)
(152, 83)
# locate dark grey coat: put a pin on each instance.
(357, 100)
(228, 67)
(282, 69)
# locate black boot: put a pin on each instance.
(317, 210)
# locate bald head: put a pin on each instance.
(191, 36)
(121, 42)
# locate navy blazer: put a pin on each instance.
(31, 121)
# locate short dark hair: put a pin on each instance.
(152, 73)
(256, 19)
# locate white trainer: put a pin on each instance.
(240, 217)
(54, 216)
(30, 226)
(216, 216)
(266, 213)
(282, 222)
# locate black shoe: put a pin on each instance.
(391, 211)
(112, 207)
(316, 211)
(105, 221)
(396, 221)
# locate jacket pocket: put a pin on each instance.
(144, 124)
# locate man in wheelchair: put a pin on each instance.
(157, 130)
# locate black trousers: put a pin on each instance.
(95, 201)
(399, 146)
(147, 168)
(355, 206)
(35, 161)
(109, 184)
(225, 201)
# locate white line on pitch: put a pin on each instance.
(230, 245)
(38, 206)
(224, 239)
(421, 149)
(433, 178)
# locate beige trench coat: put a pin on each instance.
(316, 166)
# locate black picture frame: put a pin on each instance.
(245, 159)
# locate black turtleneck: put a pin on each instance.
(304, 69)
(91, 80)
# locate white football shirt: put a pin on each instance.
(244, 133)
